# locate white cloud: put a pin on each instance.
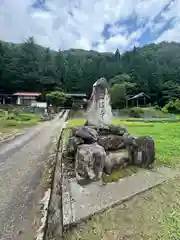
(112, 43)
(173, 33)
(80, 23)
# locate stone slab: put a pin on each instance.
(81, 203)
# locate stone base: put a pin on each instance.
(94, 198)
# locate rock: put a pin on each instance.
(111, 142)
(73, 143)
(89, 135)
(74, 130)
(116, 160)
(144, 152)
(112, 129)
(89, 163)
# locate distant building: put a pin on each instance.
(5, 98)
(140, 99)
(26, 98)
(78, 99)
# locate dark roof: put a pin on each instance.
(4, 94)
(139, 95)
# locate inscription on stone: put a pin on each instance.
(99, 109)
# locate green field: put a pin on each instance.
(14, 122)
(152, 215)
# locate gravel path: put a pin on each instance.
(21, 164)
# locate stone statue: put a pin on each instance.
(99, 108)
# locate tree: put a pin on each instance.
(120, 92)
(154, 69)
(56, 99)
(117, 55)
(120, 79)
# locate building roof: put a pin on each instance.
(34, 94)
(139, 95)
(5, 95)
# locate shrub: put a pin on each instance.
(164, 110)
(136, 112)
(157, 107)
(173, 106)
(12, 116)
(2, 113)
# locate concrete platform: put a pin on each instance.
(81, 203)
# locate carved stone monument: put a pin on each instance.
(100, 146)
(99, 107)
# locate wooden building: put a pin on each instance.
(26, 98)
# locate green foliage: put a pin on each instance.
(120, 79)
(119, 93)
(153, 69)
(173, 106)
(56, 98)
(2, 113)
(157, 107)
(14, 118)
(136, 112)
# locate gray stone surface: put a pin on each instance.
(116, 160)
(110, 142)
(99, 107)
(144, 153)
(83, 202)
(89, 135)
(89, 163)
(73, 143)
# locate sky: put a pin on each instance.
(102, 25)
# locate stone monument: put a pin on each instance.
(99, 107)
(99, 146)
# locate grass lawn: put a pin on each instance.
(154, 214)
(11, 124)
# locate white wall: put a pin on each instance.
(18, 101)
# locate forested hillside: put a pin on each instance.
(153, 69)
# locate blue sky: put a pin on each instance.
(102, 25)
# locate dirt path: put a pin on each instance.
(21, 166)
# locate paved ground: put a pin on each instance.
(83, 202)
(21, 164)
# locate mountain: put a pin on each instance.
(154, 68)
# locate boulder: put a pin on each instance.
(73, 143)
(89, 135)
(89, 162)
(144, 152)
(112, 129)
(111, 142)
(115, 160)
(74, 130)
